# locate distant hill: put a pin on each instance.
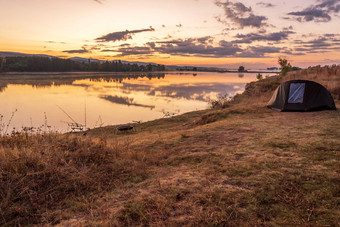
(17, 54)
(139, 63)
(86, 60)
(19, 62)
(78, 59)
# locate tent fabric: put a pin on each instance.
(301, 95)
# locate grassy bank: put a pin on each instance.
(237, 164)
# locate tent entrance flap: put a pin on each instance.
(296, 92)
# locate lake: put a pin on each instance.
(56, 101)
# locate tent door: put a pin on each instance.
(296, 92)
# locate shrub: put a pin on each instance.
(241, 69)
(220, 103)
(259, 76)
(285, 66)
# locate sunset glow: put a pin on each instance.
(222, 33)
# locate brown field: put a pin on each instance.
(240, 165)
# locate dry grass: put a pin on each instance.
(242, 165)
(252, 166)
(43, 174)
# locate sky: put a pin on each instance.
(217, 33)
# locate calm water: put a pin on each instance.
(52, 101)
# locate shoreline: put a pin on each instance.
(134, 72)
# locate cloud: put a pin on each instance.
(290, 52)
(202, 47)
(288, 28)
(205, 39)
(259, 51)
(264, 4)
(311, 15)
(122, 36)
(81, 51)
(199, 47)
(94, 47)
(108, 50)
(251, 37)
(128, 51)
(54, 42)
(330, 35)
(240, 15)
(318, 13)
(323, 43)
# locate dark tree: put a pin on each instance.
(45, 64)
(285, 65)
(2, 63)
(149, 67)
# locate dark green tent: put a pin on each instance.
(301, 95)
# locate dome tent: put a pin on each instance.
(301, 95)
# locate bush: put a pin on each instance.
(241, 69)
(285, 66)
(259, 76)
(220, 103)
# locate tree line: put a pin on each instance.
(46, 64)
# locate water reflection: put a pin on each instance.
(124, 101)
(111, 97)
(57, 79)
(201, 92)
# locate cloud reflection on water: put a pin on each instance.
(124, 100)
(188, 91)
(116, 98)
(120, 83)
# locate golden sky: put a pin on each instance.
(224, 33)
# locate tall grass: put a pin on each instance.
(44, 172)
